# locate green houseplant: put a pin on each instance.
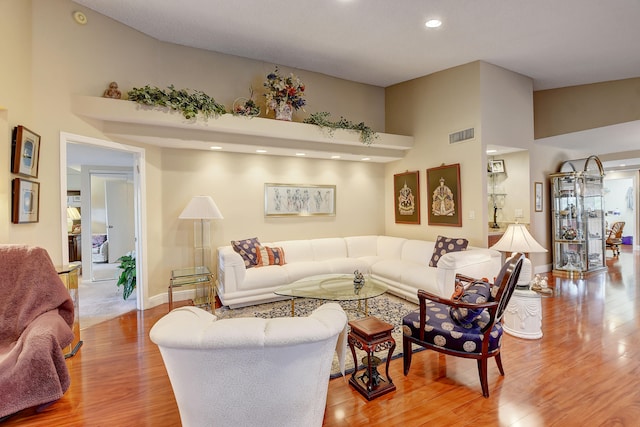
(188, 102)
(367, 135)
(127, 278)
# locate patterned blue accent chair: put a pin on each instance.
(469, 326)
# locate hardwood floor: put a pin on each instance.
(584, 371)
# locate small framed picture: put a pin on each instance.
(26, 152)
(25, 201)
(496, 166)
(538, 195)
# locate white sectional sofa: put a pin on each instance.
(402, 264)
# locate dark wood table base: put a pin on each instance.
(371, 334)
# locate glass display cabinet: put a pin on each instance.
(578, 218)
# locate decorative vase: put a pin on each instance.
(284, 112)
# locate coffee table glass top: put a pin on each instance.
(333, 287)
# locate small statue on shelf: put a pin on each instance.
(112, 91)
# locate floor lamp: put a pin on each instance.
(201, 209)
(518, 239)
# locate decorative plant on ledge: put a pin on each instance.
(127, 278)
(367, 135)
(188, 103)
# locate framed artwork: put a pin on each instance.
(496, 166)
(538, 195)
(25, 201)
(26, 152)
(406, 197)
(299, 200)
(443, 190)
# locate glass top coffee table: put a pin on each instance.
(333, 287)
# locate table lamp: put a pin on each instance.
(518, 239)
(73, 215)
(201, 208)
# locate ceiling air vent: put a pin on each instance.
(463, 135)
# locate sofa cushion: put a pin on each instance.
(264, 277)
(479, 292)
(417, 251)
(329, 248)
(361, 246)
(348, 265)
(296, 250)
(390, 247)
(300, 270)
(445, 245)
(269, 256)
(247, 250)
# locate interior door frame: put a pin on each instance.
(87, 175)
(140, 210)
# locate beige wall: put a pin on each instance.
(576, 108)
(52, 58)
(236, 183)
(430, 108)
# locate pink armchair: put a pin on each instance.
(36, 314)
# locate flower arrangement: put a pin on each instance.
(246, 107)
(284, 91)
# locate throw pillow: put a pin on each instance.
(247, 250)
(445, 245)
(479, 292)
(269, 256)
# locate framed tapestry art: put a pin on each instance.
(25, 201)
(406, 197)
(26, 152)
(443, 190)
(299, 200)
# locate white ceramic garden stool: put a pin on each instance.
(523, 316)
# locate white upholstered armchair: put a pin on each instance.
(250, 371)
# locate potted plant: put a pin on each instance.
(284, 94)
(127, 278)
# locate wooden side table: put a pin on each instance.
(371, 334)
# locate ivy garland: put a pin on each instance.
(189, 103)
(367, 135)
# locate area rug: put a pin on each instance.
(388, 308)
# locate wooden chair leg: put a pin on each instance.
(499, 363)
(406, 354)
(482, 370)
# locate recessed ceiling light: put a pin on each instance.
(215, 147)
(366, 158)
(335, 157)
(433, 23)
(300, 154)
(261, 151)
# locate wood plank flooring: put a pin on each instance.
(583, 372)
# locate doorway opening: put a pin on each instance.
(96, 171)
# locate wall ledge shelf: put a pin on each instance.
(129, 121)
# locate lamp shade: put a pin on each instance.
(517, 239)
(73, 213)
(201, 207)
